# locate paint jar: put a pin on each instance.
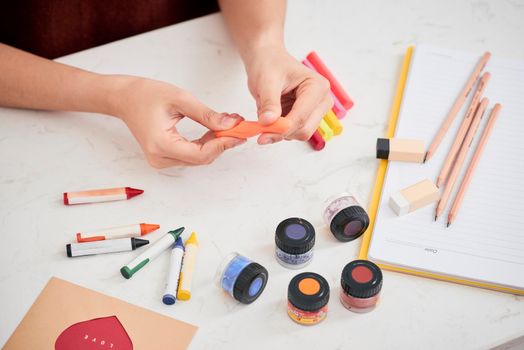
(346, 218)
(308, 296)
(294, 240)
(241, 278)
(361, 283)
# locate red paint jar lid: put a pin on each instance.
(361, 279)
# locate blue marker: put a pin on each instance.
(173, 276)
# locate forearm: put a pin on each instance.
(255, 25)
(28, 81)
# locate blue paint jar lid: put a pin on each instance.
(295, 236)
(250, 283)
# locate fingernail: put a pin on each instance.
(267, 115)
(229, 120)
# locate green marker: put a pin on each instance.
(149, 255)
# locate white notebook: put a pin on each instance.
(485, 243)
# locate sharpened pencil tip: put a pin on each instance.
(449, 223)
(436, 217)
(425, 157)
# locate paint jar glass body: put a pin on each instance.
(359, 305)
(229, 270)
(293, 261)
(307, 318)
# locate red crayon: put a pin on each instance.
(336, 88)
(316, 141)
(102, 195)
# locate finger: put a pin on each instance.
(286, 102)
(269, 138)
(268, 96)
(208, 136)
(199, 112)
(305, 131)
(313, 121)
(163, 162)
(198, 153)
(311, 93)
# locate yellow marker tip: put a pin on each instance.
(192, 239)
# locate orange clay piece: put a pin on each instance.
(246, 129)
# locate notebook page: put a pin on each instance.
(486, 241)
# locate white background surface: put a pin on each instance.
(236, 203)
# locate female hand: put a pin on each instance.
(283, 86)
(151, 110)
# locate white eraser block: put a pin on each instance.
(399, 204)
(414, 197)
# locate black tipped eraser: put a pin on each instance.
(382, 148)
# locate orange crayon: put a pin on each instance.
(102, 195)
(126, 231)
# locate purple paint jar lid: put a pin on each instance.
(349, 223)
(295, 236)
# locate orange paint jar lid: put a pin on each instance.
(308, 291)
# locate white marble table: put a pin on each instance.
(236, 203)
